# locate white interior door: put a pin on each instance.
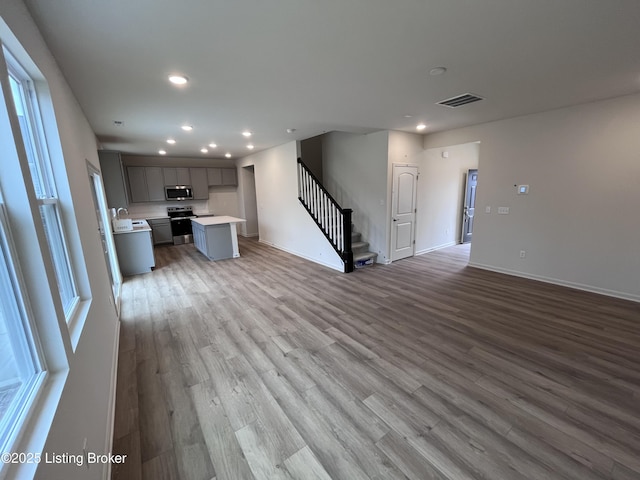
(403, 211)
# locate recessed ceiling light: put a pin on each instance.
(228, 155)
(421, 126)
(213, 145)
(187, 128)
(246, 133)
(408, 116)
(250, 147)
(171, 141)
(437, 71)
(162, 152)
(291, 130)
(178, 79)
(204, 150)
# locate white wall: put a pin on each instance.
(283, 221)
(83, 411)
(441, 195)
(355, 173)
(578, 224)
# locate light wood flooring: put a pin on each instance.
(272, 367)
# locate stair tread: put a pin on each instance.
(363, 256)
(359, 244)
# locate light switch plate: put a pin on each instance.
(503, 210)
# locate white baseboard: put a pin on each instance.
(112, 402)
(248, 235)
(556, 281)
(298, 254)
(433, 249)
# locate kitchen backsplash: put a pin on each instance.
(159, 209)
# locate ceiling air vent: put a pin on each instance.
(460, 100)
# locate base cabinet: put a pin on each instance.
(214, 241)
(161, 230)
(135, 252)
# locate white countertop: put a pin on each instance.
(139, 225)
(219, 220)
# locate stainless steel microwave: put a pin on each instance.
(178, 192)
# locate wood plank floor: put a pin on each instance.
(272, 367)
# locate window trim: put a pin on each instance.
(12, 423)
(58, 249)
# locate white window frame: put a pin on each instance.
(21, 328)
(47, 199)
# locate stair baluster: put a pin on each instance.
(331, 218)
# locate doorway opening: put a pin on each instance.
(249, 199)
(469, 205)
(104, 228)
(442, 191)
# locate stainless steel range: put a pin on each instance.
(181, 224)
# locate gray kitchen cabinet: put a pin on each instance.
(155, 183)
(214, 175)
(170, 176)
(113, 179)
(161, 230)
(176, 176)
(135, 252)
(184, 178)
(199, 183)
(146, 184)
(229, 176)
(137, 184)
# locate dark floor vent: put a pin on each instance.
(460, 100)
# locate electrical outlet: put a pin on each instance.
(523, 253)
(487, 209)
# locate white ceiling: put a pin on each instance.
(318, 66)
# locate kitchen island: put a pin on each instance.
(216, 237)
(135, 249)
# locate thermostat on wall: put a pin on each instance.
(523, 189)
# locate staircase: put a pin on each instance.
(333, 220)
(361, 256)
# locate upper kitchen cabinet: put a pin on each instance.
(176, 176)
(199, 183)
(113, 179)
(146, 184)
(155, 183)
(229, 176)
(214, 176)
(137, 184)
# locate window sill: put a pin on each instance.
(37, 423)
(77, 320)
